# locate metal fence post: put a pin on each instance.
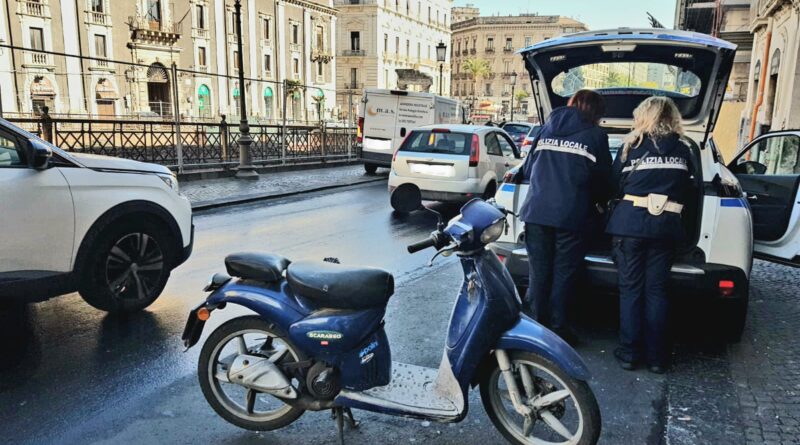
(285, 95)
(223, 137)
(47, 125)
(323, 132)
(177, 108)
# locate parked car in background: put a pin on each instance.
(386, 117)
(112, 229)
(715, 261)
(453, 163)
(522, 133)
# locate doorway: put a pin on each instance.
(158, 93)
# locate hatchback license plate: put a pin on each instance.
(432, 169)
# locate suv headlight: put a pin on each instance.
(171, 180)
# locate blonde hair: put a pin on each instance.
(656, 117)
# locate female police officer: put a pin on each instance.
(653, 174)
(568, 171)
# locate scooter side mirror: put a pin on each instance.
(406, 198)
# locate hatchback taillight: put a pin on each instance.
(475, 151)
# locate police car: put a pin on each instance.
(745, 208)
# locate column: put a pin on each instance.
(221, 38)
(8, 94)
(69, 22)
(253, 44)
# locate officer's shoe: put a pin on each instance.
(624, 360)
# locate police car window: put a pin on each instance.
(776, 155)
(9, 153)
(492, 145)
(505, 146)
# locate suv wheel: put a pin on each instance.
(371, 169)
(127, 268)
(733, 317)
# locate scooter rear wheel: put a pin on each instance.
(238, 405)
(565, 409)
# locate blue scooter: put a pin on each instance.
(318, 343)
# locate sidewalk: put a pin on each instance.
(210, 193)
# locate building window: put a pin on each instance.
(154, 10)
(320, 38)
(37, 38)
(355, 40)
(98, 6)
(204, 101)
(353, 78)
(200, 16)
(488, 90)
(100, 46)
(408, 48)
(429, 14)
(201, 56)
(490, 43)
(509, 42)
(528, 41)
(265, 31)
(419, 50)
(295, 33)
(235, 60)
(319, 69)
(268, 63)
(296, 67)
(386, 43)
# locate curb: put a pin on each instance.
(207, 205)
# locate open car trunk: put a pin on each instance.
(627, 66)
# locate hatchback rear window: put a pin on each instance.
(427, 141)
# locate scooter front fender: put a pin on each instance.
(528, 335)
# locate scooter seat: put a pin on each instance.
(334, 286)
(265, 267)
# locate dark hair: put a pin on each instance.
(590, 104)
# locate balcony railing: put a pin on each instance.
(508, 49)
(101, 63)
(98, 18)
(37, 9)
(473, 51)
(200, 68)
(295, 47)
(353, 53)
(266, 43)
(200, 33)
(354, 2)
(352, 85)
(38, 59)
(145, 24)
(489, 50)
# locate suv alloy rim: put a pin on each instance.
(134, 266)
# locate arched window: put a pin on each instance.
(204, 101)
(158, 95)
(268, 102)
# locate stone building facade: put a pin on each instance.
(283, 39)
(773, 98)
(496, 39)
(380, 40)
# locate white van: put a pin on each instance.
(386, 116)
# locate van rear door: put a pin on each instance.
(380, 115)
(412, 112)
(768, 170)
(434, 154)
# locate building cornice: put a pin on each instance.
(313, 6)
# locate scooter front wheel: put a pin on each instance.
(239, 405)
(563, 410)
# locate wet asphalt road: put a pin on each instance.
(77, 375)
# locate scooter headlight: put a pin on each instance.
(493, 232)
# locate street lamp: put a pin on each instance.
(441, 55)
(246, 169)
(513, 84)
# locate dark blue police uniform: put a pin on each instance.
(568, 169)
(644, 241)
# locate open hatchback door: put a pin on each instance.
(627, 66)
(768, 170)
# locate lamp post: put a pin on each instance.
(513, 84)
(246, 169)
(441, 55)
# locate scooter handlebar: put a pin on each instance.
(422, 245)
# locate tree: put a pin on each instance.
(478, 68)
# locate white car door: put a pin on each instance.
(768, 170)
(510, 152)
(36, 215)
(495, 153)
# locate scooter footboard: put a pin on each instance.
(528, 335)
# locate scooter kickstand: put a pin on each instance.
(351, 421)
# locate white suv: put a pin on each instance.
(112, 229)
(756, 196)
(453, 163)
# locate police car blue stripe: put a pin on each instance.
(732, 202)
(507, 188)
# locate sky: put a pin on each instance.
(597, 14)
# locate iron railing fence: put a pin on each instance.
(202, 144)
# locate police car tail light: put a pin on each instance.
(726, 288)
(475, 151)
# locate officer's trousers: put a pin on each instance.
(555, 257)
(643, 267)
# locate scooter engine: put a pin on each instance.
(322, 381)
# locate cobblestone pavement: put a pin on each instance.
(213, 192)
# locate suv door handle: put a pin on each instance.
(752, 197)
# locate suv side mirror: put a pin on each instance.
(38, 154)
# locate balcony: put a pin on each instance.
(98, 18)
(507, 75)
(266, 43)
(321, 55)
(353, 53)
(146, 30)
(101, 64)
(200, 68)
(489, 50)
(508, 49)
(473, 51)
(352, 85)
(32, 8)
(296, 47)
(41, 60)
(506, 93)
(200, 33)
(354, 2)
